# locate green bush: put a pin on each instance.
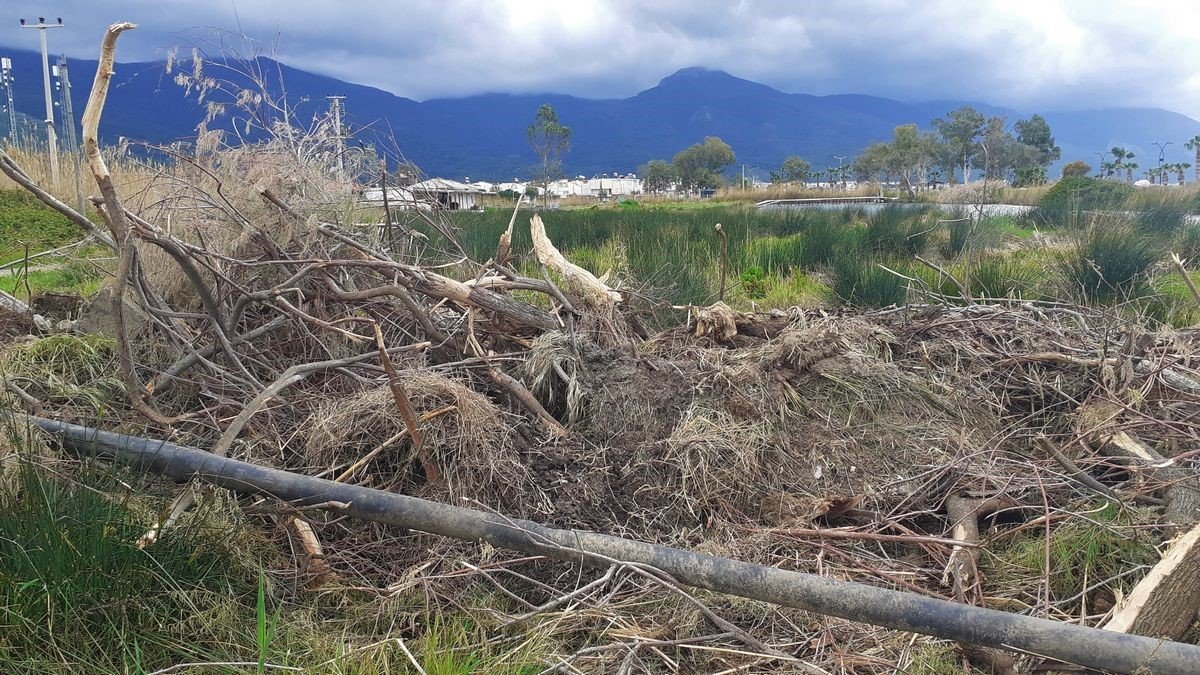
(1089, 194)
(863, 283)
(895, 229)
(1188, 243)
(825, 240)
(1073, 195)
(754, 282)
(1159, 212)
(1108, 261)
(774, 255)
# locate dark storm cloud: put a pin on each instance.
(1045, 54)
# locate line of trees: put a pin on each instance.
(959, 143)
(962, 141)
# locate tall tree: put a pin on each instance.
(1035, 132)
(999, 152)
(872, 164)
(1193, 143)
(1129, 167)
(699, 166)
(657, 176)
(1180, 168)
(910, 156)
(795, 170)
(549, 140)
(1120, 155)
(960, 131)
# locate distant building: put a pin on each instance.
(600, 187)
(435, 193)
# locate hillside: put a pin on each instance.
(483, 136)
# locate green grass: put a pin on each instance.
(76, 276)
(25, 220)
(1108, 262)
(934, 659)
(1080, 552)
(76, 594)
(864, 283)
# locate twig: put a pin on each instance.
(1187, 278)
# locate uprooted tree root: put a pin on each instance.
(835, 443)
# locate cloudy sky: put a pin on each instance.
(1039, 54)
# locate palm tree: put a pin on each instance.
(1129, 167)
(1194, 144)
(1180, 168)
(1107, 168)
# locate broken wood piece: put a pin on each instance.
(578, 280)
(504, 248)
(1166, 601)
(964, 513)
(316, 566)
(13, 304)
(1182, 491)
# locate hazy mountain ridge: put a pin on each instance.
(483, 136)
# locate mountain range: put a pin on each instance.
(483, 136)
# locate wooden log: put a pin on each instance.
(1091, 647)
(1166, 601)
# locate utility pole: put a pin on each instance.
(336, 110)
(841, 171)
(51, 137)
(68, 117)
(743, 178)
(1100, 163)
(6, 79)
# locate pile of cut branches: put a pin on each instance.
(1025, 456)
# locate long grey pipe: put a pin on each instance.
(1095, 648)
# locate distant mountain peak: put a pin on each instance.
(691, 75)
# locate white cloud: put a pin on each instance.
(1031, 54)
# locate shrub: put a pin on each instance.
(1075, 194)
(754, 282)
(824, 240)
(774, 254)
(1000, 277)
(863, 283)
(1108, 261)
(895, 229)
(1188, 243)
(1089, 194)
(1159, 212)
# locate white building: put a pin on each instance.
(435, 193)
(598, 186)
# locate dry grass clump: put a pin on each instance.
(469, 439)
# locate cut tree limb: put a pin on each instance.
(578, 280)
(117, 222)
(1182, 490)
(1166, 601)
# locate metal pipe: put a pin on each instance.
(1092, 647)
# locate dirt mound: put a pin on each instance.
(14, 325)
